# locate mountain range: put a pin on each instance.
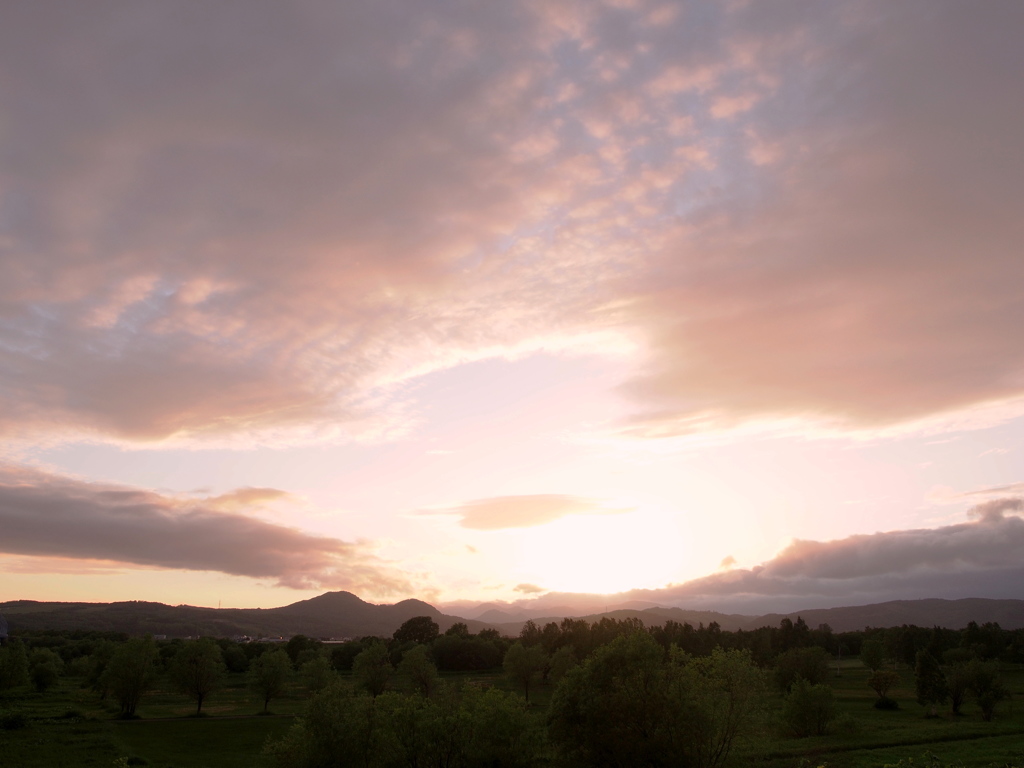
(344, 615)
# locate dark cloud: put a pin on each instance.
(983, 558)
(500, 512)
(50, 516)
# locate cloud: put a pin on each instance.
(529, 589)
(48, 516)
(996, 491)
(242, 499)
(502, 512)
(853, 280)
(223, 226)
(982, 558)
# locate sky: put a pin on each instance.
(710, 304)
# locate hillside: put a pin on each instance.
(342, 614)
(331, 615)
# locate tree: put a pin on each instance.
(958, 676)
(811, 664)
(458, 629)
(987, 688)
(129, 674)
(13, 666)
(809, 709)
(723, 696)
(562, 661)
(930, 683)
(419, 670)
(419, 629)
(627, 705)
(317, 673)
(372, 669)
(197, 670)
(458, 727)
(880, 682)
(524, 664)
(268, 674)
(45, 667)
(872, 652)
(300, 645)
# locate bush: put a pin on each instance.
(886, 703)
(810, 664)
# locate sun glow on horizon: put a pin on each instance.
(605, 554)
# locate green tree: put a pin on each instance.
(130, 672)
(724, 698)
(562, 661)
(268, 675)
(337, 729)
(419, 629)
(45, 668)
(627, 705)
(808, 710)
(13, 665)
(299, 645)
(198, 670)
(523, 665)
(873, 653)
(811, 664)
(986, 687)
(372, 669)
(458, 629)
(419, 670)
(958, 676)
(880, 681)
(930, 683)
(234, 658)
(317, 673)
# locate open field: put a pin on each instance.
(70, 727)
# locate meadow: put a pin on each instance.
(70, 726)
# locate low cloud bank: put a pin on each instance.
(52, 516)
(983, 557)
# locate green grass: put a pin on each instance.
(165, 734)
(199, 743)
(71, 727)
(867, 737)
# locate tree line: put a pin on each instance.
(619, 693)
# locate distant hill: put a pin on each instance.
(342, 614)
(331, 615)
(953, 614)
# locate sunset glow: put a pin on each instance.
(709, 304)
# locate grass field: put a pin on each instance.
(70, 727)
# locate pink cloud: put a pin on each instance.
(232, 226)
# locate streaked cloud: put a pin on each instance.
(500, 512)
(53, 517)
